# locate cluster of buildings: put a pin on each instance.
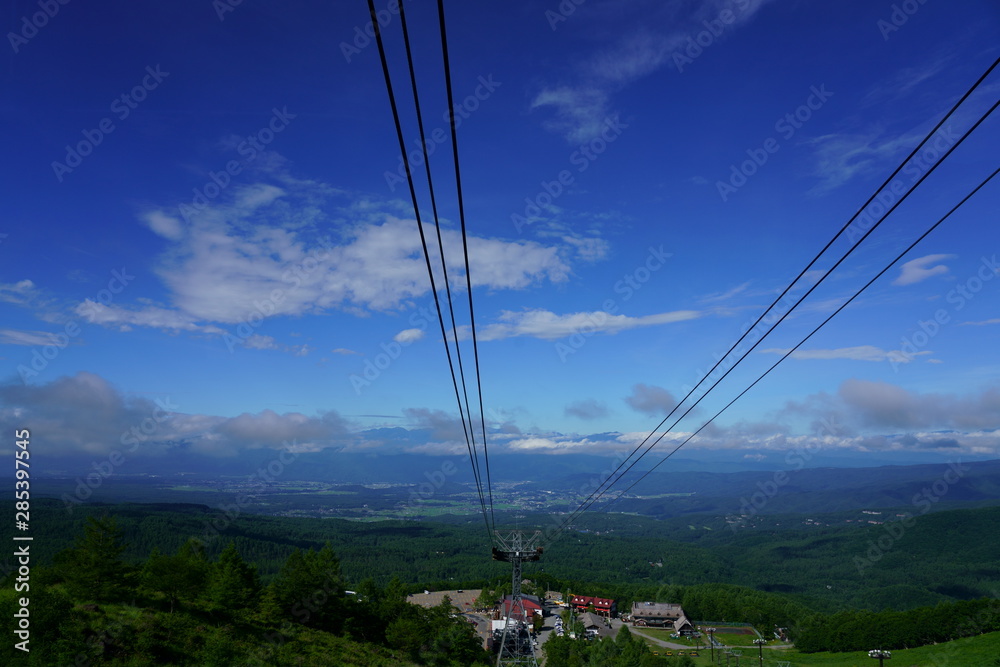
(601, 606)
(594, 612)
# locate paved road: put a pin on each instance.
(664, 644)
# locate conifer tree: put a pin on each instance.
(94, 569)
(233, 584)
(181, 576)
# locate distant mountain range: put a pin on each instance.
(920, 487)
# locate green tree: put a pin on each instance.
(94, 569)
(181, 576)
(603, 653)
(406, 633)
(632, 649)
(233, 584)
(309, 589)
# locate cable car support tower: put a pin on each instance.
(515, 645)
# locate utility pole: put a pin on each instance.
(880, 655)
(515, 644)
(760, 641)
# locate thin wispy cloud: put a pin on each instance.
(19, 293)
(840, 158)
(906, 80)
(546, 325)
(30, 338)
(725, 296)
(922, 268)
(580, 108)
(856, 353)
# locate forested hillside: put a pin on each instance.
(825, 567)
(91, 606)
(152, 580)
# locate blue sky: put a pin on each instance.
(204, 209)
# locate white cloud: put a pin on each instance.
(85, 414)
(149, 316)
(920, 269)
(21, 337)
(841, 157)
(547, 325)
(580, 112)
(19, 292)
(728, 294)
(906, 79)
(258, 253)
(582, 108)
(258, 342)
(588, 248)
(165, 225)
(558, 445)
(407, 336)
(982, 323)
(856, 353)
(862, 405)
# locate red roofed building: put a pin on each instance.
(602, 606)
(532, 606)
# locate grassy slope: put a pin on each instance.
(981, 651)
